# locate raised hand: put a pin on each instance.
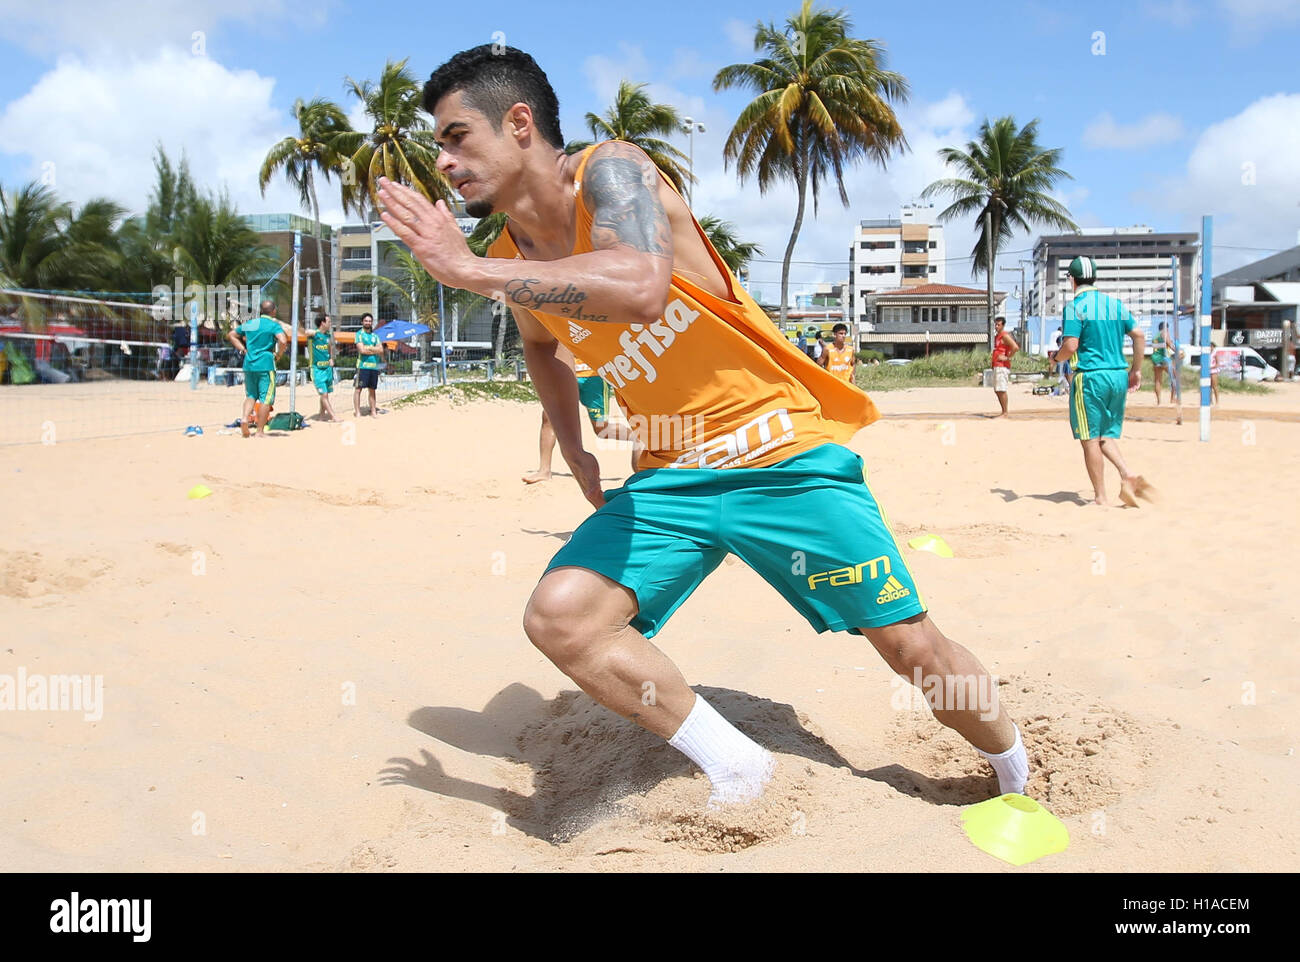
(429, 230)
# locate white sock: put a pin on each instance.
(736, 766)
(1012, 767)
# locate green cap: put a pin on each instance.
(1083, 268)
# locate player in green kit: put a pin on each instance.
(322, 366)
(369, 351)
(262, 341)
(1094, 326)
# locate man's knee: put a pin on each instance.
(571, 610)
(911, 645)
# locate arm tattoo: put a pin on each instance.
(623, 195)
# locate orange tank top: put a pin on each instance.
(711, 383)
(840, 362)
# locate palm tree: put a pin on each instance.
(1004, 175)
(304, 156)
(722, 235)
(635, 119)
(213, 246)
(823, 103)
(399, 146)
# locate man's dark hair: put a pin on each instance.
(840, 327)
(1000, 320)
(492, 79)
(321, 319)
(365, 315)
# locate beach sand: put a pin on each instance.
(321, 666)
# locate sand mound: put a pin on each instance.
(592, 766)
(268, 490)
(30, 574)
(674, 811)
(983, 540)
(1082, 754)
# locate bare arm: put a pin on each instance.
(557, 389)
(1135, 367)
(625, 279)
(234, 338)
(1011, 343)
(1066, 351)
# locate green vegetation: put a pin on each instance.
(940, 369)
(464, 391)
(635, 119)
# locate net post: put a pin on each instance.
(1207, 348)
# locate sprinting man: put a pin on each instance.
(602, 256)
(1004, 349)
(1095, 325)
(322, 366)
(262, 342)
(369, 353)
(593, 394)
(839, 358)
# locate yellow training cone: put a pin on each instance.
(1015, 829)
(933, 543)
(198, 491)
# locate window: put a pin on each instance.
(933, 269)
(934, 245)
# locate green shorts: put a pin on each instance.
(323, 378)
(1097, 400)
(593, 392)
(809, 526)
(260, 386)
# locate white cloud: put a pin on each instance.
(109, 117)
(1105, 133)
(1179, 13)
(740, 35)
(604, 73)
(1245, 171)
(119, 28)
(1261, 11)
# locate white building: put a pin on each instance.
(906, 251)
(1133, 263)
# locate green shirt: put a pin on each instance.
(260, 335)
(368, 362)
(1100, 322)
(320, 349)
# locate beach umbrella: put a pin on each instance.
(400, 331)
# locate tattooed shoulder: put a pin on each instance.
(621, 188)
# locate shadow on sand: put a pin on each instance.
(584, 758)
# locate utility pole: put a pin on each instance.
(1022, 327)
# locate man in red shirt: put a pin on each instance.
(1004, 346)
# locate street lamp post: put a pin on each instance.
(689, 126)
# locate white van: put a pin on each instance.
(1231, 361)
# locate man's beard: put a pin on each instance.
(478, 208)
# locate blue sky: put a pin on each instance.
(1165, 109)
